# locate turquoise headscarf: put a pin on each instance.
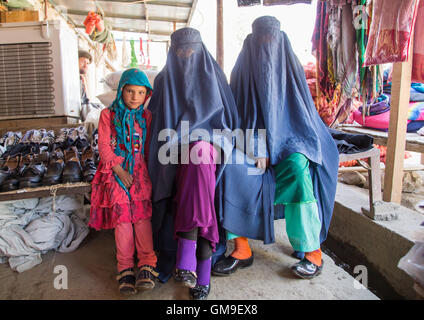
(124, 119)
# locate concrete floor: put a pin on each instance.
(91, 275)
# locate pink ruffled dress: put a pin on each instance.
(110, 204)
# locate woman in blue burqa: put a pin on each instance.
(295, 174)
(193, 109)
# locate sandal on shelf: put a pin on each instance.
(126, 279)
(146, 278)
(186, 277)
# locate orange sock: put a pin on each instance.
(315, 257)
(242, 249)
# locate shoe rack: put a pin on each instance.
(53, 190)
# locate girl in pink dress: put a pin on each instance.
(121, 188)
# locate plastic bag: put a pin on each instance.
(418, 62)
(390, 31)
(413, 263)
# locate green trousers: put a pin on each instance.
(294, 190)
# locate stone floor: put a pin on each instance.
(91, 275)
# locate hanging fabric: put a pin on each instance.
(148, 54)
(247, 3)
(134, 62)
(418, 62)
(285, 2)
(390, 33)
(143, 57)
(125, 57)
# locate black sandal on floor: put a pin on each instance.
(146, 278)
(126, 279)
(186, 277)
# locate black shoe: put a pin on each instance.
(185, 277)
(306, 270)
(55, 168)
(200, 292)
(72, 172)
(230, 265)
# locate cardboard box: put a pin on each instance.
(18, 16)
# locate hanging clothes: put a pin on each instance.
(285, 2)
(390, 31)
(418, 62)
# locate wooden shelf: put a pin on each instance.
(46, 191)
(414, 141)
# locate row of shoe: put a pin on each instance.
(38, 141)
(45, 169)
(40, 158)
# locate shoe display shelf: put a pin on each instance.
(51, 190)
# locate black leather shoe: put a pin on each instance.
(72, 171)
(54, 169)
(32, 175)
(306, 270)
(230, 265)
(200, 292)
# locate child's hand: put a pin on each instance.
(125, 177)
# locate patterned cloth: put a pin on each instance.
(124, 119)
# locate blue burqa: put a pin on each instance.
(271, 92)
(192, 101)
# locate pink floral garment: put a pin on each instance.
(110, 204)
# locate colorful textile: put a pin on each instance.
(203, 272)
(390, 32)
(110, 204)
(186, 255)
(381, 120)
(418, 62)
(303, 226)
(194, 199)
(315, 257)
(124, 119)
(241, 248)
(129, 238)
(293, 182)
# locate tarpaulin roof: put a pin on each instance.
(159, 18)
